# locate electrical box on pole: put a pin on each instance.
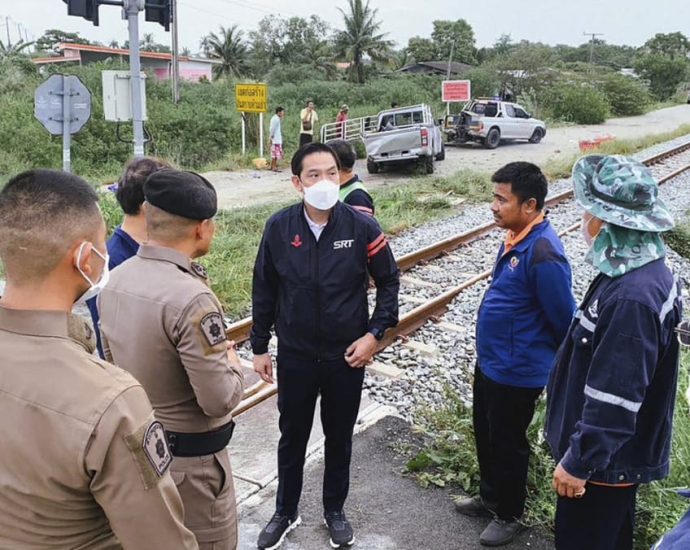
(117, 96)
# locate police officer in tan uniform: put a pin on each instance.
(162, 323)
(83, 462)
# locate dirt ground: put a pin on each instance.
(253, 187)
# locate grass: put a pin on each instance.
(451, 461)
(561, 168)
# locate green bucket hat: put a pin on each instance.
(620, 191)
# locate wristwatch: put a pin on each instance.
(377, 333)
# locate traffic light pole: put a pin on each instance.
(132, 9)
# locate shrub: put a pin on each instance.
(578, 103)
(625, 95)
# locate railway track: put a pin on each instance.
(415, 314)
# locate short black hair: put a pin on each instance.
(130, 188)
(279, 109)
(345, 152)
(308, 102)
(42, 214)
(394, 104)
(297, 161)
(526, 181)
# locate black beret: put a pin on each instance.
(185, 194)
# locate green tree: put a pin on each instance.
(663, 61)
(286, 41)
(229, 48)
(421, 49)
(14, 51)
(52, 37)
(663, 73)
(457, 35)
(673, 45)
(361, 37)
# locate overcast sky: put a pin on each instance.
(629, 22)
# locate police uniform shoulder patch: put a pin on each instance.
(156, 447)
(150, 449)
(199, 270)
(212, 328)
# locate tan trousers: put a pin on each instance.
(208, 494)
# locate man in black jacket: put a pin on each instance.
(310, 281)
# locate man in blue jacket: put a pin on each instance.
(521, 322)
(612, 390)
(310, 281)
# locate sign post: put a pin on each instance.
(63, 105)
(252, 98)
(453, 91)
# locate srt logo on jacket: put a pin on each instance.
(337, 245)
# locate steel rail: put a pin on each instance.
(417, 317)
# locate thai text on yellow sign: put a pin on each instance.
(251, 98)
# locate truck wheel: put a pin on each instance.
(372, 167)
(493, 138)
(442, 153)
(428, 163)
(536, 135)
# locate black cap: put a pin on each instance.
(185, 194)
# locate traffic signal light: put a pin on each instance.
(88, 9)
(159, 11)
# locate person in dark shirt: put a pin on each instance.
(612, 389)
(352, 190)
(125, 240)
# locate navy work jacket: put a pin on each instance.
(611, 393)
(315, 292)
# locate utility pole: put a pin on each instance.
(591, 44)
(450, 60)
(131, 9)
(7, 26)
(175, 55)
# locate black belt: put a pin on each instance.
(200, 444)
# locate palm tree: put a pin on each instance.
(229, 47)
(361, 37)
(9, 50)
(318, 55)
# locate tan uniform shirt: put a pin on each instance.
(81, 464)
(161, 322)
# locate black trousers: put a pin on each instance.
(305, 138)
(501, 415)
(299, 384)
(603, 519)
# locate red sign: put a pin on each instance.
(455, 90)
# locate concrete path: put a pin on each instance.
(388, 510)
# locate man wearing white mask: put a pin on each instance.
(84, 463)
(310, 282)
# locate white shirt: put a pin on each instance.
(275, 130)
(316, 228)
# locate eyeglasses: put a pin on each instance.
(683, 330)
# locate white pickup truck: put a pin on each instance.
(489, 121)
(403, 134)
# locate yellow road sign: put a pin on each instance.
(251, 98)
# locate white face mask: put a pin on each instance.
(322, 195)
(95, 288)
